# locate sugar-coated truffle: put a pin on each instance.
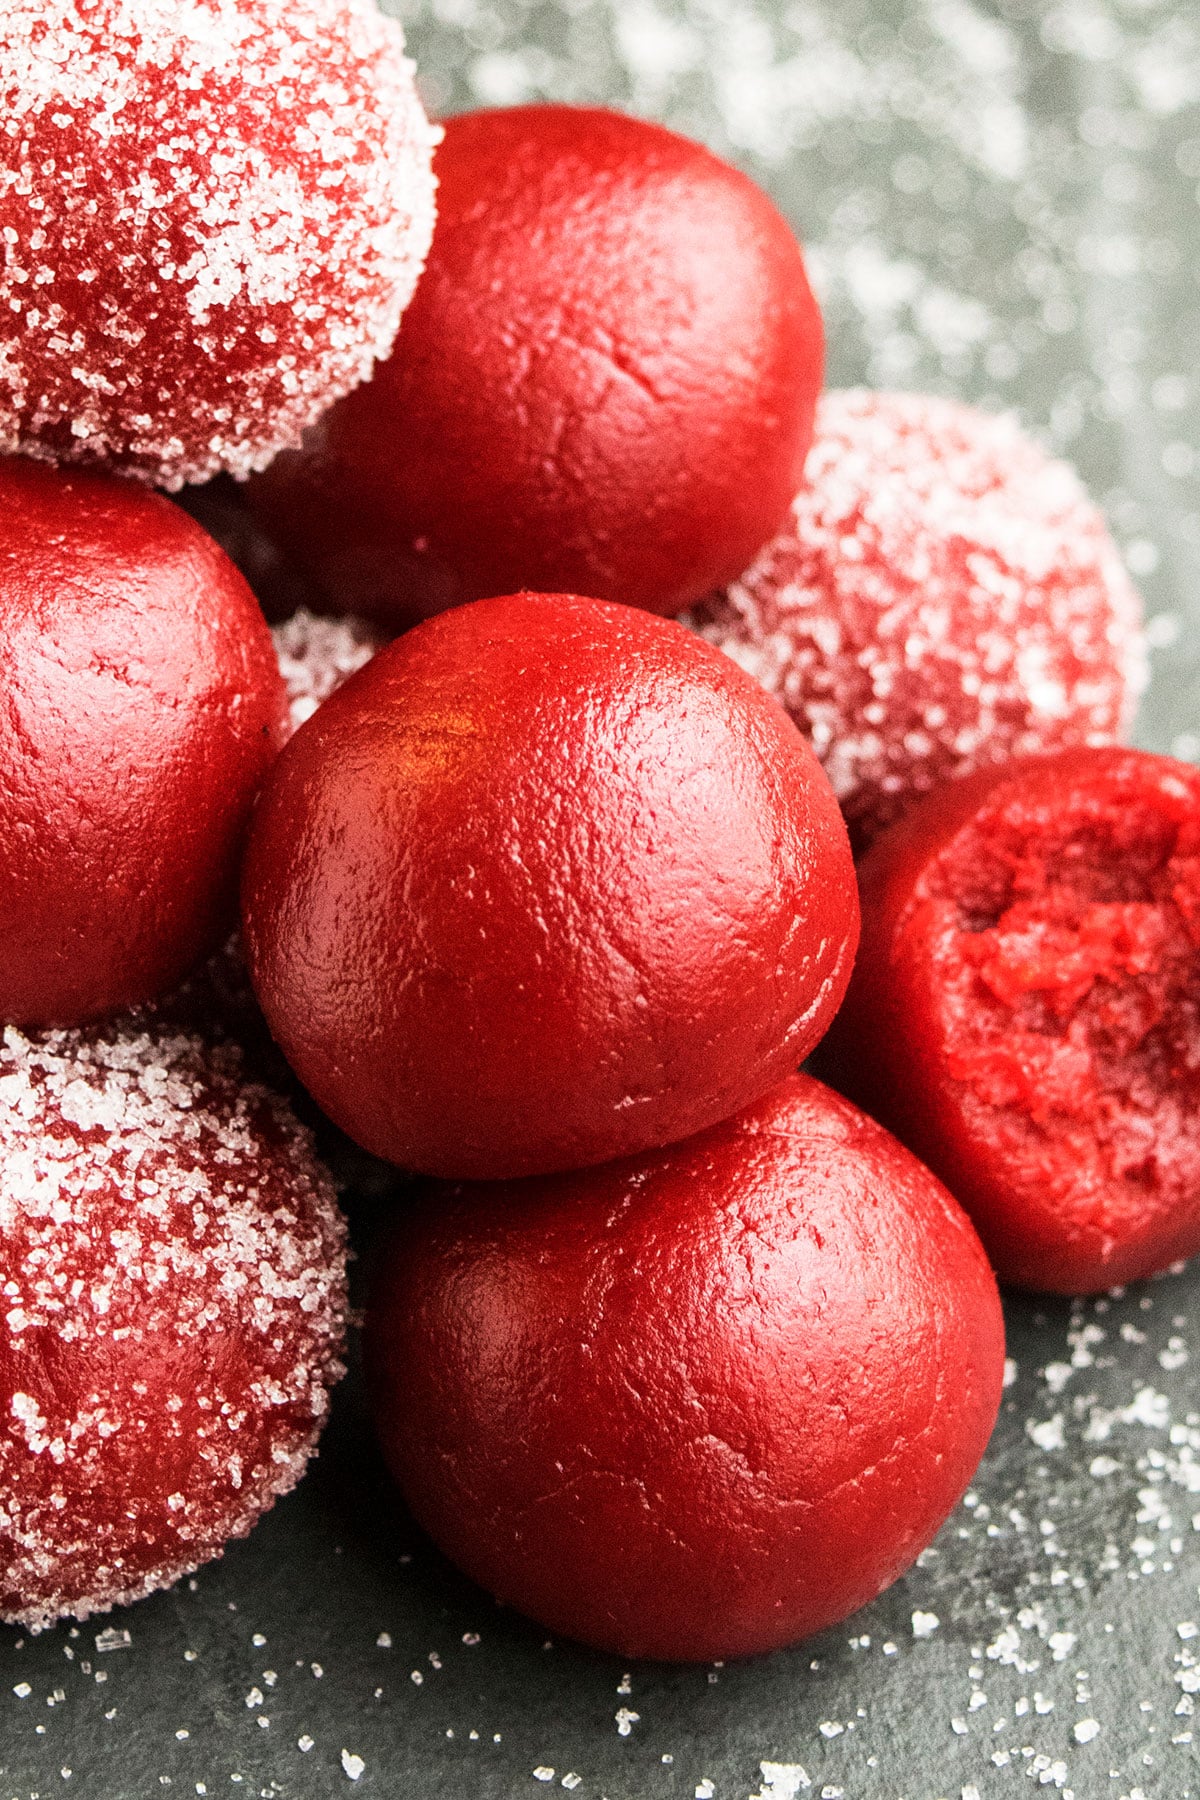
(140, 704)
(699, 1403)
(548, 881)
(604, 384)
(317, 654)
(1025, 1012)
(174, 1304)
(944, 596)
(214, 215)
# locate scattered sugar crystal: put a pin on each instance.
(781, 1781)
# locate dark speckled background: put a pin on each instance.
(1000, 200)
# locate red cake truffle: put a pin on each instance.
(140, 704)
(699, 1403)
(214, 215)
(604, 385)
(174, 1300)
(549, 881)
(1026, 1009)
(944, 597)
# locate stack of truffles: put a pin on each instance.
(604, 645)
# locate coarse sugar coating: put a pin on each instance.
(174, 1305)
(944, 596)
(213, 217)
(317, 655)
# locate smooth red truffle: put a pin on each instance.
(604, 385)
(549, 881)
(174, 1303)
(214, 215)
(943, 597)
(140, 704)
(699, 1403)
(1026, 1009)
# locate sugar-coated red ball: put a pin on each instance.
(548, 881)
(1026, 1009)
(944, 596)
(699, 1403)
(214, 215)
(318, 654)
(140, 704)
(604, 385)
(174, 1306)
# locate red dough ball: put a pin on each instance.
(174, 1303)
(943, 597)
(140, 704)
(1026, 1009)
(699, 1403)
(549, 881)
(604, 385)
(214, 215)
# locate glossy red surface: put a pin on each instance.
(549, 881)
(699, 1403)
(141, 705)
(1025, 1011)
(604, 384)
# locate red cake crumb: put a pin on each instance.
(944, 597)
(1025, 1011)
(316, 655)
(173, 1310)
(213, 217)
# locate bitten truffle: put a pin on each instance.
(604, 385)
(943, 597)
(1026, 1009)
(548, 881)
(699, 1403)
(174, 1302)
(214, 215)
(140, 704)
